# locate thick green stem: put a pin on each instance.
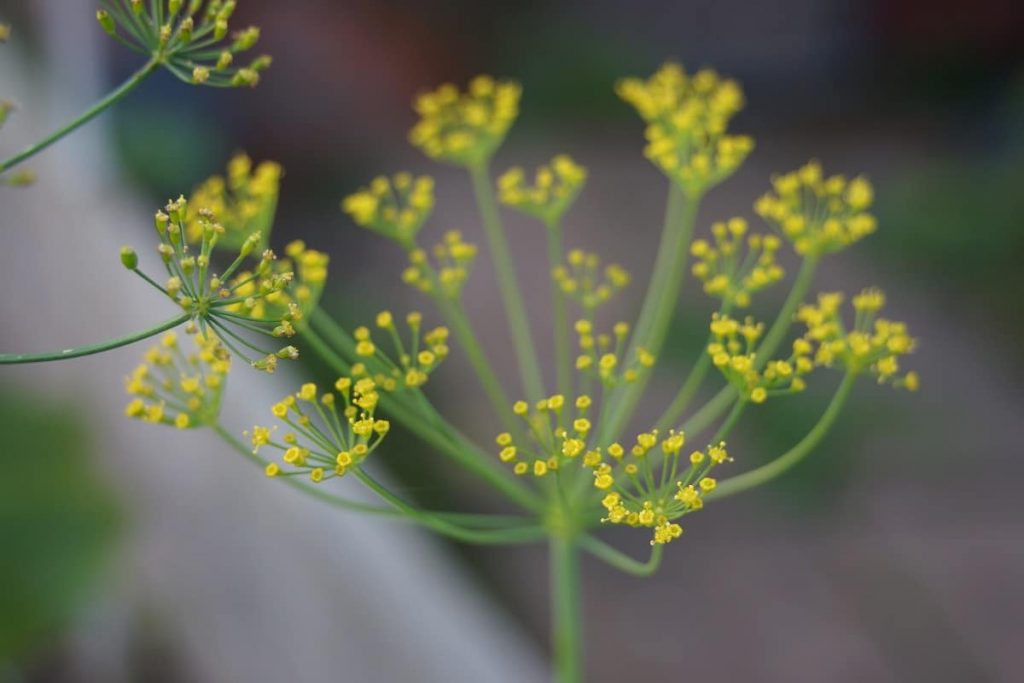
(112, 98)
(659, 303)
(620, 560)
(710, 412)
(566, 610)
(432, 428)
(508, 283)
(730, 421)
(563, 357)
(77, 352)
(765, 473)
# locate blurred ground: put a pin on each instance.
(895, 554)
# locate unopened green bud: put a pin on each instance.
(106, 21)
(185, 30)
(160, 220)
(129, 259)
(245, 39)
(224, 61)
(136, 7)
(261, 63)
(220, 29)
(173, 6)
(250, 243)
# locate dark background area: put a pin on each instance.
(893, 554)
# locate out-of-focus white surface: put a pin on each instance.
(251, 581)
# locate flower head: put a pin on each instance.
(176, 388)
(447, 275)
(818, 215)
(394, 207)
(466, 128)
(409, 364)
(646, 487)
(325, 434)
(559, 431)
(873, 345)
(244, 201)
(687, 117)
(733, 352)
(583, 280)
(237, 302)
(555, 188)
(187, 38)
(601, 355)
(726, 271)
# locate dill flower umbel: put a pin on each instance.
(873, 345)
(555, 188)
(466, 128)
(818, 215)
(394, 207)
(645, 490)
(244, 201)
(174, 388)
(229, 305)
(186, 38)
(687, 117)
(601, 355)
(326, 434)
(453, 261)
(728, 273)
(582, 280)
(733, 352)
(410, 364)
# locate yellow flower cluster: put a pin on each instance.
(818, 215)
(227, 304)
(415, 361)
(174, 388)
(395, 208)
(601, 354)
(453, 260)
(733, 352)
(185, 37)
(307, 269)
(727, 273)
(874, 344)
(555, 188)
(244, 201)
(581, 279)
(687, 117)
(325, 437)
(558, 431)
(465, 128)
(646, 487)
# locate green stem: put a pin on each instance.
(112, 98)
(620, 560)
(508, 284)
(14, 358)
(432, 428)
(796, 296)
(459, 323)
(659, 303)
(566, 610)
(765, 473)
(730, 421)
(709, 412)
(527, 534)
(563, 358)
(686, 393)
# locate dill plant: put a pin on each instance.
(561, 451)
